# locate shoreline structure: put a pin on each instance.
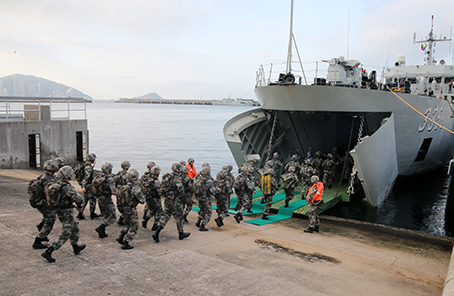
(244, 259)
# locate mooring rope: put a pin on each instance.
(452, 132)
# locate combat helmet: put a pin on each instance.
(184, 169)
(291, 169)
(66, 172)
(229, 167)
(61, 161)
(222, 174)
(107, 168)
(151, 164)
(156, 170)
(132, 175)
(51, 166)
(176, 167)
(315, 179)
(276, 155)
(206, 170)
(270, 171)
(91, 157)
(125, 164)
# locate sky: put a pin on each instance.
(205, 49)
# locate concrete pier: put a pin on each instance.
(345, 258)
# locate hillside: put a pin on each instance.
(31, 86)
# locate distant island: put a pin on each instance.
(18, 85)
(148, 98)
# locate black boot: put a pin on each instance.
(94, 215)
(80, 216)
(197, 224)
(286, 204)
(40, 225)
(48, 254)
(46, 239)
(237, 218)
(219, 221)
(38, 244)
(265, 217)
(121, 237)
(185, 220)
(101, 230)
(144, 222)
(309, 230)
(263, 201)
(183, 235)
(249, 211)
(121, 221)
(316, 228)
(77, 249)
(156, 234)
(127, 246)
(203, 228)
(155, 226)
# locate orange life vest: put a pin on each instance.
(191, 171)
(318, 194)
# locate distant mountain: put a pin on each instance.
(144, 98)
(18, 85)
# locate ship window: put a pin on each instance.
(423, 149)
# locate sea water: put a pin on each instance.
(168, 133)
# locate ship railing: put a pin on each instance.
(34, 109)
(269, 74)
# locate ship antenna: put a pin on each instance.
(289, 53)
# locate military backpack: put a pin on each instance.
(124, 197)
(53, 194)
(79, 171)
(167, 183)
(36, 192)
(239, 184)
(199, 186)
(100, 188)
(147, 185)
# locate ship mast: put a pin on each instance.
(289, 53)
(430, 44)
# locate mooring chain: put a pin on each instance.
(271, 137)
(351, 189)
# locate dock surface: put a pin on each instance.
(345, 258)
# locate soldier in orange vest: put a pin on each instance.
(314, 197)
(191, 169)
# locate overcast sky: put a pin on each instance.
(201, 48)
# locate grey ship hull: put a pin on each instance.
(396, 140)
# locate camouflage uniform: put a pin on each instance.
(245, 193)
(153, 202)
(317, 164)
(130, 214)
(314, 219)
(307, 171)
(89, 197)
(120, 180)
(289, 187)
(222, 188)
(106, 205)
(347, 162)
(269, 197)
(274, 164)
(172, 205)
(230, 180)
(49, 216)
(188, 191)
(294, 163)
(65, 214)
(204, 199)
(328, 166)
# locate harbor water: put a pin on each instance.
(166, 133)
